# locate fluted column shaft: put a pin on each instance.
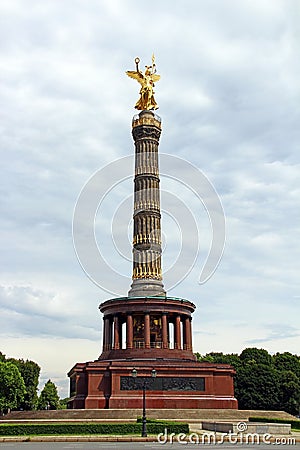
(147, 330)
(116, 333)
(147, 273)
(165, 330)
(177, 332)
(129, 331)
(187, 333)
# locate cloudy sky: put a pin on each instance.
(229, 103)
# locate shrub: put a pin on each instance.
(89, 428)
(294, 423)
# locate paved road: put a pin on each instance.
(122, 445)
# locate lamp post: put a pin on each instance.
(144, 387)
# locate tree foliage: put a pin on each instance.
(287, 361)
(263, 381)
(256, 355)
(30, 372)
(257, 387)
(290, 391)
(12, 386)
(221, 358)
(63, 403)
(49, 398)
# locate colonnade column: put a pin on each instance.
(147, 330)
(164, 330)
(112, 332)
(190, 334)
(129, 331)
(107, 334)
(187, 334)
(116, 333)
(104, 335)
(177, 333)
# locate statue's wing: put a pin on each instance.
(138, 76)
(155, 78)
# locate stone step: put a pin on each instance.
(188, 415)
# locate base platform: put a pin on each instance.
(111, 415)
(108, 384)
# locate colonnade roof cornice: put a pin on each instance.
(152, 304)
(152, 297)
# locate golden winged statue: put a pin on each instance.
(147, 80)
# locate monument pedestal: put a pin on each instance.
(178, 385)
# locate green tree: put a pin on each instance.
(287, 361)
(49, 398)
(198, 356)
(257, 386)
(257, 355)
(289, 395)
(12, 386)
(220, 358)
(63, 403)
(204, 358)
(2, 357)
(262, 381)
(30, 372)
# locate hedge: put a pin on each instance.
(28, 429)
(295, 424)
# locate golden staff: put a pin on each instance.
(137, 60)
(153, 63)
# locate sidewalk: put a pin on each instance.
(77, 439)
(285, 440)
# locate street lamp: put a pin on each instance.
(145, 384)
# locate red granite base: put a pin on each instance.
(108, 384)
